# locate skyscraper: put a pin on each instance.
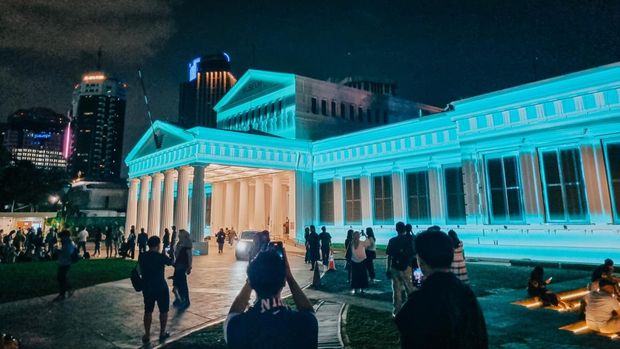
(98, 124)
(209, 80)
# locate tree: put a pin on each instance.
(26, 185)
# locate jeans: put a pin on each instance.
(325, 255)
(97, 248)
(401, 281)
(63, 282)
(82, 245)
(142, 248)
(180, 282)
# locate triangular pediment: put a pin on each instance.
(252, 84)
(168, 135)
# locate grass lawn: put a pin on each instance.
(35, 279)
(368, 328)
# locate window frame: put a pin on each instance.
(373, 190)
(505, 189)
(615, 206)
(413, 220)
(323, 221)
(353, 200)
(446, 197)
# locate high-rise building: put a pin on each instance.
(209, 80)
(38, 135)
(98, 123)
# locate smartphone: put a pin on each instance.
(278, 247)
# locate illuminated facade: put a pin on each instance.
(37, 135)
(527, 172)
(97, 126)
(209, 80)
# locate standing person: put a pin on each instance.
(232, 237)
(269, 323)
(143, 238)
(82, 238)
(602, 308)
(444, 312)
(182, 268)
(458, 263)
(220, 238)
(109, 237)
(400, 256)
(131, 242)
(166, 240)
(306, 235)
(119, 239)
(314, 246)
(51, 239)
(359, 277)
(155, 288)
(371, 254)
(326, 245)
(347, 255)
(173, 241)
(98, 238)
(67, 249)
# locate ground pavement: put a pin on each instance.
(110, 315)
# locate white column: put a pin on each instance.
(291, 204)
(181, 214)
(533, 204)
(259, 203)
(366, 199)
(229, 204)
(243, 205)
(132, 205)
(275, 221)
(398, 195)
(251, 192)
(217, 207)
(155, 205)
(198, 204)
(338, 202)
(473, 208)
(167, 210)
(143, 203)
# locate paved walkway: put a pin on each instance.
(110, 315)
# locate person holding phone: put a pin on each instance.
(537, 287)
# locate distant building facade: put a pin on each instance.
(209, 80)
(98, 125)
(99, 199)
(38, 135)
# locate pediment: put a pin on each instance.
(168, 136)
(254, 83)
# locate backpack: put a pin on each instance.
(136, 279)
(403, 256)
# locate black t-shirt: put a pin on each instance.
(313, 241)
(443, 314)
(400, 248)
(278, 328)
(152, 266)
(326, 239)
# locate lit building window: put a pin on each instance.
(418, 202)
(504, 190)
(326, 202)
(353, 201)
(564, 186)
(613, 170)
(382, 195)
(455, 196)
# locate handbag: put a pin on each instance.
(136, 279)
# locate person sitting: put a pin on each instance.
(604, 271)
(269, 323)
(602, 309)
(537, 287)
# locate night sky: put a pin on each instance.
(437, 51)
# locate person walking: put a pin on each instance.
(182, 268)
(371, 254)
(118, 239)
(109, 238)
(347, 254)
(220, 238)
(314, 246)
(326, 245)
(98, 237)
(151, 266)
(143, 238)
(458, 266)
(400, 254)
(232, 236)
(166, 240)
(131, 242)
(67, 250)
(82, 238)
(359, 277)
(51, 239)
(444, 313)
(306, 235)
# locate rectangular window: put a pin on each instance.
(613, 171)
(382, 195)
(455, 195)
(324, 107)
(314, 106)
(279, 107)
(353, 201)
(326, 202)
(418, 201)
(385, 117)
(351, 112)
(342, 110)
(360, 114)
(377, 116)
(564, 186)
(369, 115)
(334, 111)
(504, 190)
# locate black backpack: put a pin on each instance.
(403, 257)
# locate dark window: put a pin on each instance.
(504, 190)
(613, 170)
(279, 107)
(564, 186)
(455, 196)
(385, 117)
(326, 202)
(418, 202)
(314, 106)
(360, 114)
(353, 201)
(382, 194)
(369, 115)
(342, 110)
(273, 109)
(377, 116)
(324, 107)
(208, 209)
(351, 112)
(334, 111)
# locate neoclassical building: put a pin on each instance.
(530, 172)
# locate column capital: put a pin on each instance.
(145, 178)
(157, 175)
(133, 180)
(185, 169)
(170, 171)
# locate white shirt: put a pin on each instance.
(83, 235)
(358, 254)
(599, 305)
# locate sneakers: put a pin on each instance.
(164, 336)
